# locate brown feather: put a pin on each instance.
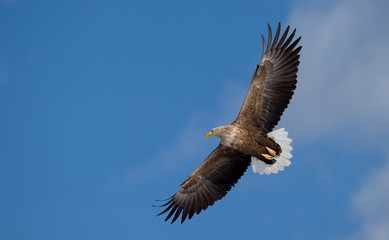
(273, 83)
(208, 183)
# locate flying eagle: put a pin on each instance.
(250, 137)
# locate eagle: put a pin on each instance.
(250, 138)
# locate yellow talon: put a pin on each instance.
(271, 151)
(267, 156)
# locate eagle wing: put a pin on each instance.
(208, 183)
(273, 83)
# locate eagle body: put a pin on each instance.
(246, 140)
(250, 138)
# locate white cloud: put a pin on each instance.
(371, 203)
(343, 83)
(343, 69)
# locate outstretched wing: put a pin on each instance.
(208, 183)
(273, 82)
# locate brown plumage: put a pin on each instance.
(270, 91)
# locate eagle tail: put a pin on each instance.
(280, 136)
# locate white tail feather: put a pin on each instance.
(280, 136)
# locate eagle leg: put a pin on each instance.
(268, 159)
(271, 155)
(267, 156)
(271, 151)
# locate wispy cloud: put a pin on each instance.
(371, 204)
(343, 69)
(343, 84)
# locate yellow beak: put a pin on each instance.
(208, 134)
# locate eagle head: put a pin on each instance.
(219, 132)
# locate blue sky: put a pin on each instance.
(104, 107)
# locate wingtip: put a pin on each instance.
(298, 40)
(163, 200)
(263, 45)
(270, 37)
(276, 36)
